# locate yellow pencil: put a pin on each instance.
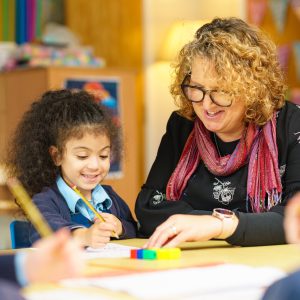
(31, 211)
(91, 207)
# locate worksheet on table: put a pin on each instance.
(205, 282)
(110, 250)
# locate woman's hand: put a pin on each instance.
(184, 228)
(292, 220)
(56, 257)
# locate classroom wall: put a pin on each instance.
(287, 37)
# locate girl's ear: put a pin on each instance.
(55, 155)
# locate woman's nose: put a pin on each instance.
(207, 102)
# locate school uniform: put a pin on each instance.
(9, 291)
(9, 283)
(287, 288)
(7, 268)
(62, 207)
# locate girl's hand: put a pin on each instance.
(184, 228)
(97, 236)
(116, 223)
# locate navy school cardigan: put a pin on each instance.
(55, 210)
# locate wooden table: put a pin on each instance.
(285, 257)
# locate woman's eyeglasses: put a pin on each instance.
(196, 93)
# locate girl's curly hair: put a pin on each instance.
(52, 120)
(246, 64)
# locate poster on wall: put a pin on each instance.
(106, 92)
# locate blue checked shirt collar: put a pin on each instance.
(70, 196)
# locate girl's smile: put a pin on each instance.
(91, 178)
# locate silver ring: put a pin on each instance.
(173, 229)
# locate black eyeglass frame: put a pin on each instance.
(204, 91)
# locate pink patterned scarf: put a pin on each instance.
(257, 146)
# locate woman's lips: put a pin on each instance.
(213, 115)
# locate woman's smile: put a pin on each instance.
(213, 115)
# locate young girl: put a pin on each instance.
(67, 139)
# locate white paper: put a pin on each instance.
(244, 294)
(109, 250)
(207, 282)
(63, 294)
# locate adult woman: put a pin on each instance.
(232, 144)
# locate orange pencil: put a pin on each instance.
(91, 207)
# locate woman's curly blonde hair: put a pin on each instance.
(246, 64)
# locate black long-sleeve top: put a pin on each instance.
(205, 191)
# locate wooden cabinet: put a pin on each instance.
(20, 87)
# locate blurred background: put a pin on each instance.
(122, 51)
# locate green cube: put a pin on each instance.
(149, 254)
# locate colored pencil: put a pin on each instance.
(90, 206)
